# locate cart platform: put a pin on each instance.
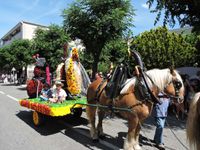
(53, 109)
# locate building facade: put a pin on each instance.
(23, 30)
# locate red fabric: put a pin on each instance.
(48, 80)
(32, 87)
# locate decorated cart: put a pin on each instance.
(41, 109)
(74, 79)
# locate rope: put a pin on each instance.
(176, 136)
(174, 133)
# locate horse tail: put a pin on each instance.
(193, 123)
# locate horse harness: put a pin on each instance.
(176, 83)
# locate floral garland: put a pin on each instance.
(52, 109)
(42, 108)
(72, 81)
(75, 55)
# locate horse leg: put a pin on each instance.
(137, 133)
(91, 112)
(101, 114)
(130, 141)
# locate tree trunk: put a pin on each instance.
(94, 68)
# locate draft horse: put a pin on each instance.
(193, 123)
(164, 81)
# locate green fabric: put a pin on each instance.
(82, 100)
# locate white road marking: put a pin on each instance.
(111, 146)
(1, 92)
(13, 98)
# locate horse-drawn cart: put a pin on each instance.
(41, 109)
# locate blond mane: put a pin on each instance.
(193, 124)
(160, 77)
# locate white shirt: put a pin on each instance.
(61, 94)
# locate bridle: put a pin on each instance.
(177, 86)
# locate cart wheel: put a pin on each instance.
(38, 118)
(77, 112)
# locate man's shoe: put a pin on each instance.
(160, 146)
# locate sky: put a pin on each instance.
(47, 12)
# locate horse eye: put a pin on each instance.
(178, 84)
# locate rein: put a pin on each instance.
(165, 95)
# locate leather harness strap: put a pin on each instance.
(99, 90)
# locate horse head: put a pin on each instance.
(174, 87)
(169, 82)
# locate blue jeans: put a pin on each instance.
(160, 122)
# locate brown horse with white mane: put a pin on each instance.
(138, 109)
(193, 123)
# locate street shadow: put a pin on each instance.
(51, 124)
(72, 129)
(21, 88)
(85, 139)
(171, 122)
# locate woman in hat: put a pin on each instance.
(58, 94)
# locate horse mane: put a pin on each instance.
(193, 123)
(163, 76)
(159, 76)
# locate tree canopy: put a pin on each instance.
(161, 49)
(98, 22)
(187, 12)
(49, 44)
(18, 54)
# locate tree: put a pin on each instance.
(18, 54)
(49, 44)
(98, 22)
(161, 48)
(5, 57)
(21, 53)
(185, 11)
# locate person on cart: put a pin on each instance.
(58, 94)
(46, 92)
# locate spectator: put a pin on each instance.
(188, 89)
(160, 114)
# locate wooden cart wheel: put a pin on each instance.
(38, 118)
(77, 112)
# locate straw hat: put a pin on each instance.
(58, 83)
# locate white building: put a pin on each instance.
(23, 30)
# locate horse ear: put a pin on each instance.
(172, 71)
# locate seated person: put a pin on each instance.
(58, 94)
(46, 92)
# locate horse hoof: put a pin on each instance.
(137, 147)
(95, 140)
(102, 136)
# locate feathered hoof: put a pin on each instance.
(137, 147)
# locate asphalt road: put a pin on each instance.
(17, 131)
